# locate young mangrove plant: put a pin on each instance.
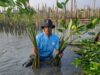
(70, 29)
(24, 9)
(73, 28)
(32, 34)
(89, 60)
(31, 29)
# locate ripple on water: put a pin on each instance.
(14, 51)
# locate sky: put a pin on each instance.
(50, 3)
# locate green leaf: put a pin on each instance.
(74, 27)
(23, 1)
(70, 24)
(6, 3)
(9, 11)
(81, 29)
(60, 30)
(60, 5)
(63, 3)
(63, 24)
(98, 43)
(94, 66)
(11, 3)
(2, 4)
(66, 1)
(77, 62)
(93, 23)
(76, 22)
(19, 4)
(90, 26)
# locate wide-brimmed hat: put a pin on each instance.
(47, 23)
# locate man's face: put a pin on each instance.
(48, 30)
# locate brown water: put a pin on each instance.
(15, 50)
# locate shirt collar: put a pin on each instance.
(47, 36)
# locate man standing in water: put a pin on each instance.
(48, 43)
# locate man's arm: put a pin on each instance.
(57, 52)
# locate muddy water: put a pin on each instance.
(15, 50)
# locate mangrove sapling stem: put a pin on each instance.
(32, 35)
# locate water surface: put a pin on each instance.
(15, 50)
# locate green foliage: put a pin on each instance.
(89, 59)
(62, 5)
(6, 3)
(9, 5)
(22, 5)
(63, 26)
(59, 5)
(66, 1)
(93, 23)
(24, 9)
(32, 32)
(60, 30)
(23, 2)
(73, 27)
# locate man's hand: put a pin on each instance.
(60, 54)
(33, 50)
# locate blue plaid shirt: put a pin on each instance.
(47, 45)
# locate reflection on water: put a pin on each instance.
(48, 71)
(15, 50)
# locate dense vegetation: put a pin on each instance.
(24, 19)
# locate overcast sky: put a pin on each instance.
(50, 3)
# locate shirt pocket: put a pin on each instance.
(43, 45)
(52, 46)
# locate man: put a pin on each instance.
(48, 43)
